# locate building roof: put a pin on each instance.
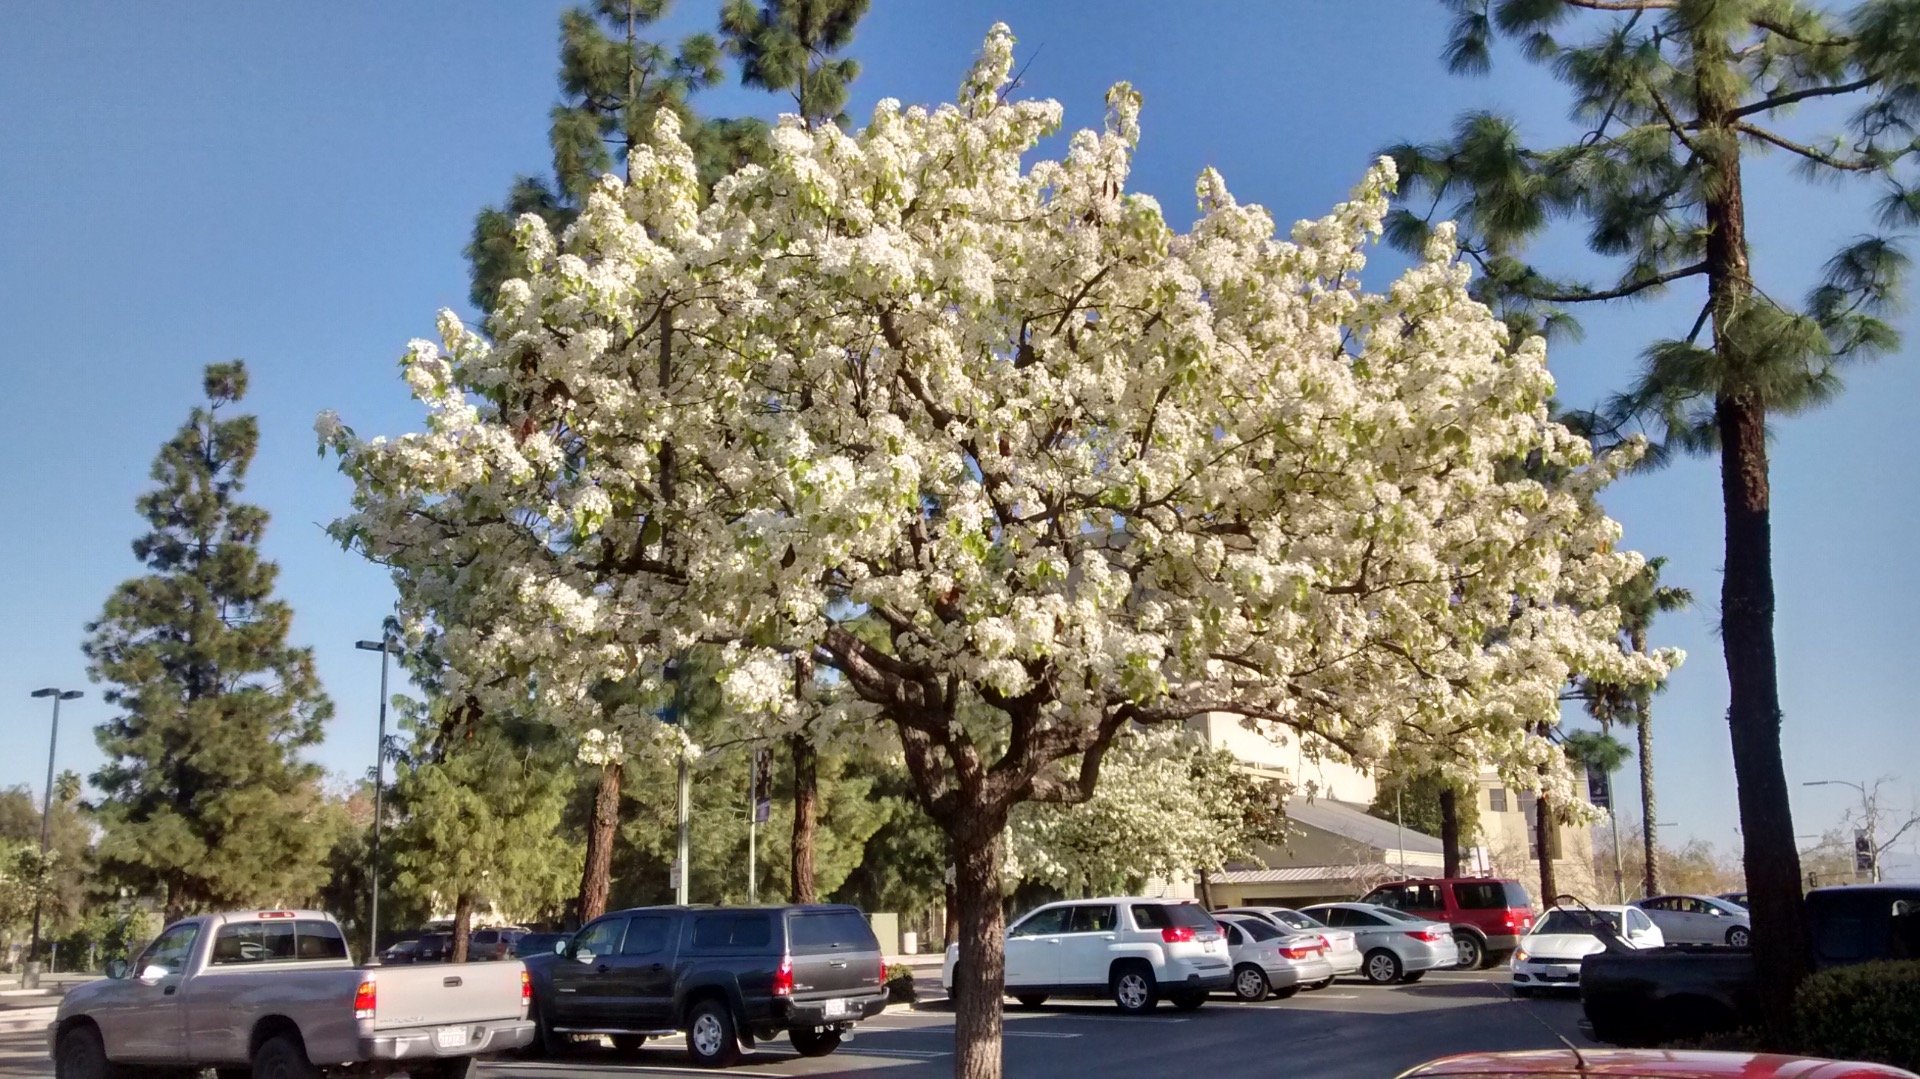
(1302, 874)
(1351, 821)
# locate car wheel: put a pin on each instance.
(1412, 976)
(1030, 1000)
(1382, 967)
(711, 1040)
(547, 1042)
(1739, 937)
(1188, 1000)
(1282, 994)
(1472, 955)
(629, 1043)
(283, 1057)
(1134, 990)
(814, 1043)
(1317, 986)
(1250, 984)
(79, 1055)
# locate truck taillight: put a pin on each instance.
(364, 999)
(1177, 934)
(526, 989)
(783, 977)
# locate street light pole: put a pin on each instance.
(386, 646)
(1868, 815)
(46, 814)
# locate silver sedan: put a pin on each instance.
(1394, 946)
(1267, 961)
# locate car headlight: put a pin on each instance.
(1519, 955)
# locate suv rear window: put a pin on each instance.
(816, 931)
(1168, 915)
(1491, 895)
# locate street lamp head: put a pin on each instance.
(72, 695)
(62, 694)
(48, 692)
(388, 645)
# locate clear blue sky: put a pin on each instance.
(293, 185)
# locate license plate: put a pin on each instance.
(450, 1037)
(836, 1008)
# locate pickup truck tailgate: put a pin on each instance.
(446, 993)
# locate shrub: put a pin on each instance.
(900, 987)
(1866, 1012)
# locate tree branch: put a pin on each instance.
(1858, 164)
(1802, 95)
(1622, 291)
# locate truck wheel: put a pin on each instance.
(1134, 990)
(80, 1055)
(711, 1039)
(1382, 967)
(283, 1057)
(1030, 1000)
(1472, 955)
(629, 1043)
(814, 1043)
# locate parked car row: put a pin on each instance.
(493, 943)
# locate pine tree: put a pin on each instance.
(1675, 97)
(204, 795)
(482, 803)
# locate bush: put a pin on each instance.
(900, 987)
(1866, 1012)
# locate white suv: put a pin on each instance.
(1132, 950)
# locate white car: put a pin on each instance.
(1699, 919)
(1549, 956)
(1394, 946)
(1134, 951)
(1270, 962)
(1342, 950)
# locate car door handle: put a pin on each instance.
(168, 991)
(1108, 936)
(658, 966)
(602, 969)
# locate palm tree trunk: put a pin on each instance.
(1780, 941)
(1543, 848)
(596, 878)
(1449, 832)
(1650, 827)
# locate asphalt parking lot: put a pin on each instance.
(1351, 1029)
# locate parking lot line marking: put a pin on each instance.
(521, 1067)
(908, 1054)
(1038, 1034)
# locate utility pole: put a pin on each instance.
(46, 827)
(386, 646)
(684, 802)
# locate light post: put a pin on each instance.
(386, 646)
(1867, 814)
(46, 820)
(684, 798)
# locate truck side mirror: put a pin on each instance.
(116, 968)
(153, 974)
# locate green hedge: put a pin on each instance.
(1865, 1012)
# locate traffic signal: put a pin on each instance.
(1861, 844)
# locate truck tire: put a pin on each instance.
(283, 1057)
(629, 1043)
(712, 1041)
(814, 1043)
(1030, 1000)
(80, 1055)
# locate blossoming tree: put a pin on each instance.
(1007, 462)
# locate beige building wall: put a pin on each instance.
(1322, 778)
(1505, 834)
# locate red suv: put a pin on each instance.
(1488, 916)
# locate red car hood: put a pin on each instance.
(1653, 1064)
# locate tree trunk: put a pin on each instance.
(462, 928)
(950, 915)
(1780, 941)
(806, 816)
(1449, 832)
(1206, 891)
(1543, 848)
(596, 880)
(1650, 828)
(980, 977)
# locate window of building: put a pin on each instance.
(1497, 800)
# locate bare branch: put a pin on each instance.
(1802, 95)
(1858, 164)
(1622, 291)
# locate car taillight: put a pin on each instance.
(363, 1000)
(1177, 934)
(1301, 951)
(783, 977)
(526, 989)
(1326, 944)
(1428, 935)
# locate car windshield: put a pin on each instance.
(1298, 920)
(1574, 922)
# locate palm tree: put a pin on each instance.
(1640, 600)
(1599, 751)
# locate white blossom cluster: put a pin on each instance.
(1013, 460)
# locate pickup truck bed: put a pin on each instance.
(276, 987)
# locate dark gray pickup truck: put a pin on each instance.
(1651, 996)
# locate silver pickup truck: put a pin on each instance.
(273, 994)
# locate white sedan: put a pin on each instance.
(1549, 955)
(1270, 962)
(1699, 919)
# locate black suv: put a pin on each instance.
(725, 975)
